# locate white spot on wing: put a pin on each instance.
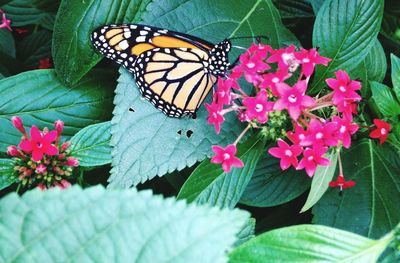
(123, 44)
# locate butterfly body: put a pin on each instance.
(174, 71)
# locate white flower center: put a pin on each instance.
(342, 88)
(342, 129)
(292, 98)
(288, 153)
(383, 131)
(301, 136)
(275, 80)
(286, 57)
(306, 60)
(310, 158)
(250, 65)
(259, 107)
(227, 156)
(319, 135)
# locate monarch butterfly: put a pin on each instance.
(174, 71)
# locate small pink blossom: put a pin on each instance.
(312, 158)
(345, 128)
(271, 79)
(5, 23)
(215, 116)
(13, 151)
(17, 123)
(344, 89)
(321, 134)
(226, 156)
(41, 169)
(285, 58)
(39, 144)
(63, 184)
(259, 50)
(298, 136)
(287, 154)
(223, 92)
(258, 107)
(71, 161)
(308, 59)
(381, 131)
(293, 99)
(252, 66)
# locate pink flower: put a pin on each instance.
(5, 23)
(226, 157)
(71, 161)
(308, 59)
(285, 58)
(347, 109)
(287, 154)
(342, 183)
(298, 136)
(271, 79)
(321, 134)
(312, 158)
(13, 151)
(293, 99)
(215, 116)
(39, 144)
(381, 131)
(252, 66)
(41, 169)
(259, 50)
(345, 128)
(344, 89)
(17, 123)
(59, 126)
(224, 90)
(258, 107)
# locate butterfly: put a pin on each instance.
(174, 71)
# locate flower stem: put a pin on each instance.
(340, 163)
(242, 134)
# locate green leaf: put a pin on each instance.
(6, 170)
(395, 61)
(316, 5)
(375, 63)
(22, 13)
(33, 48)
(7, 43)
(385, 100)
(147, 143)
(270, 186)
(91, 145)
(372, 204)
(294, 8)
(246, 233)
(320, 182)
(73, 52)
(309, 243)
(95, 225)
(209, 184)
(40, 99)
(345, 32)
(46, 5)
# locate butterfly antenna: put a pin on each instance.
(239, 47)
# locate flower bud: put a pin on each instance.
(65, 146)
(41, 169)
(17, 122)
(59, 126)
(71, 161)
(13, 151)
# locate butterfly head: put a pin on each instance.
(218, 61)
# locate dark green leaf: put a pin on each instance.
(40, 99)
(375, 63)
(320, 182)
(94, 225)
(309, 243)
(33, 48)
(91, 145)
(372, 204)
(147, 143)
(390, 27)
(6, 170)
(395, 61)
(208, 184)
(46, 5)
(385, 100)
(7, 43)
(73, 52)
(345, 32)
(294, 8)
(270, 186)
(316, 5)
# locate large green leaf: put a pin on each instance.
(345, 31)
(7, 43)
(310, 243)
(246, 233)
(147, 143)
(6, 170)
(395, 61)
(294, 8)
(91, 145)
(95, 225)
(147, 134)
(372, 205)
(320, 182)
(270, 186)
(375, 62)
(73, 52)
(385, 100)
(208, 184)
(33, 48)
(39, 99)
(22, 13)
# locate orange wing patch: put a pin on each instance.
(140, 48)
(171, 42)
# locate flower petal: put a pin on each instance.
(50, 137)
(51, 150)
(26, 146)
(35, 133)
(37, 156)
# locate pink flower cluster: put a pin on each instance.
(41, 160)
(279, 101)
(5, 23)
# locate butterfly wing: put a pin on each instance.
(174, 80)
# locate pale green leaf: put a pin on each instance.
(385, 100)
(6, 170)
(395, 74)
(91, 145)
(95, 225)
